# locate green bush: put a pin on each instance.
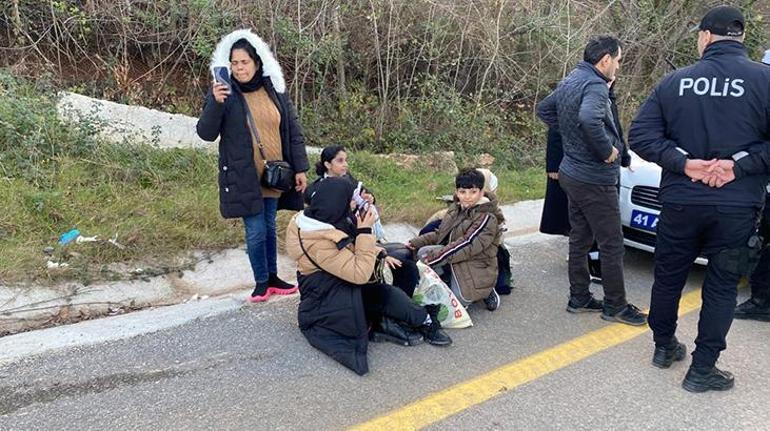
(440, 119)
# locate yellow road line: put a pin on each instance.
(462, 396)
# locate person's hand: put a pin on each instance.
(613, 156)
(698, 169)
(720, 173)
(368, 197)
(220, 91)
(367, 220)
(300, 178)
(392, 262)
(409, 246)
(553, 175)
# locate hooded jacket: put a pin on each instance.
(331, 310)
(240, 194)
(470, 238)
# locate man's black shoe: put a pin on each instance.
(432, 332)
(630, 315)
(709, 379)
(590, 306)
(666, 355)
(392, 331)
(753, 309)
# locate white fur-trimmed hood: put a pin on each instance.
(310, 224)
(270, 66)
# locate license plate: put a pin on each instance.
(643, 220)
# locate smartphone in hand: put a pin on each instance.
(221, 75)
(362, 209)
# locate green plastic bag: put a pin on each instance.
(432, 290)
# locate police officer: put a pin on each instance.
(758, 306)
(707, 126)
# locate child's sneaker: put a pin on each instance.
(492, 301)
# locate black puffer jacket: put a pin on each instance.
(580, 108)
(240, 193)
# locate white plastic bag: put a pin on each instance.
(433, 290)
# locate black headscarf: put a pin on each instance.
(257, 81)
(331, 204)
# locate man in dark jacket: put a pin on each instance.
(589, 172)
(706, 123)
(555, 217)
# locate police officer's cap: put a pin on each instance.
(724, 21)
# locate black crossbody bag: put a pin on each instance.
(278, 174)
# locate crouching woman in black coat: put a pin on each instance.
(341, 298)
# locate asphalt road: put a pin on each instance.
(250, 368)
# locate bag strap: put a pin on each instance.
(302, 246)
(253, 128)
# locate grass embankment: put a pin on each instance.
(160, 203)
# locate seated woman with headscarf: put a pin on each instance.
(333, 163)
(340, 295)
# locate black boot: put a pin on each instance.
(753, 309)
(432, 332)
(664, 356)
(702, 380)
(390, 330)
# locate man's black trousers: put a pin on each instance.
(594, 215)
(683, 233)
(760, 279)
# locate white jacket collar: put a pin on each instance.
(270, 66)
(308, 224)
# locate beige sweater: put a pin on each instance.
(268, 121)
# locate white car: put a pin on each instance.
(639, 204)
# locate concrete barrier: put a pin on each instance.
(137, 123)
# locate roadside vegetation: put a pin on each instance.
(378, 77)
(381, 75)
(157, 204)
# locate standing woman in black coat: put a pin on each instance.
(555, 220)
(257, 89)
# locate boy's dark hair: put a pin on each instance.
(599, 46)
(469, 178)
